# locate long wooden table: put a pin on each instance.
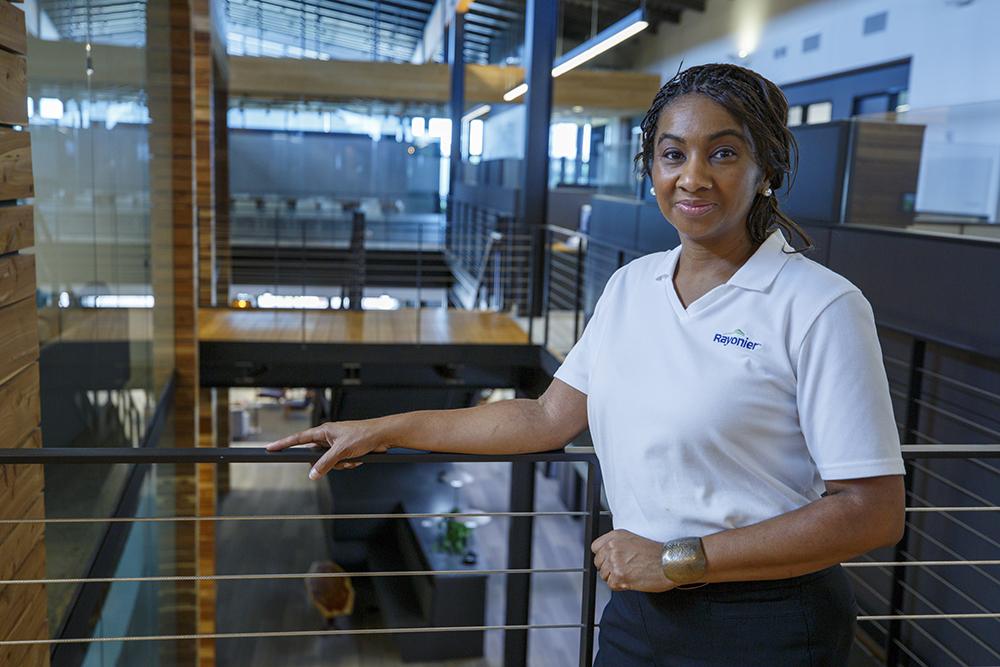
(432, 326)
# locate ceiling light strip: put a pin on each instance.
(605, 40)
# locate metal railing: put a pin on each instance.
(518, 570)
(480, 261)
(933, 599)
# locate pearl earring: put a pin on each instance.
(768, 192)
(652, 191)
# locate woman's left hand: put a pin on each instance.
(629, 562)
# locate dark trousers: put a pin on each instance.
(805, 621)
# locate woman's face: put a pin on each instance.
(703, 170)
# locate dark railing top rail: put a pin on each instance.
(259, 455)
(312, 454)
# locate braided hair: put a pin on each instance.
(762, 108)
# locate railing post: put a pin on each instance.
(522, 499)
(357, 284)
(420, 274)
(588, 602)
(581, 241)
(533, 243)
(911, 426)
(546, 275)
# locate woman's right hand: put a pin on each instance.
(343, 440)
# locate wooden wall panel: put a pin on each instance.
(13, 89)
(885, 168)
(13, 599)
(169, 34)
(17, 228)
(16, 550)
(20, 409)
(15, 165)
(18, 337)
(23, 608)
(13, 36)
(31, 624)
(19, 487)
(17, 278)
(204, 148)
(206, 474)
(209, 125)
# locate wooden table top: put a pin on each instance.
(435, 326)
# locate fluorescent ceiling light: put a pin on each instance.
(607, 39)
(481, 110)
(515, 92)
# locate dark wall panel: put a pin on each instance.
(654, 233)
(817, 190)
(940, 288)
(614, 220)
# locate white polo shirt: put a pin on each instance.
(733, 410)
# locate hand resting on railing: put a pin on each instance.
(516, 426)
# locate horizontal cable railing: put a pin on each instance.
(591, 516)
(484, 261)
(146, 456)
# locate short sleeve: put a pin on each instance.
(843, 395)
(576, 367)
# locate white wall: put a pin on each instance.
(955, 49)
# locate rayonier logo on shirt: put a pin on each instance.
(736, 337)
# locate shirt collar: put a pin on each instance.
(757, 273)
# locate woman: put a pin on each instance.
(736, 397)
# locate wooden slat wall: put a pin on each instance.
(207, 54)
(23, 609)
(13, 88)
(13, 36)
(174, 275)
(206, 530)
(17, 228)
(204, 135)
(16, 181)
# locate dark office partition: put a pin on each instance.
(501, 201)
(614, 220)
(820, 235)
(564, 206)
(939, 288)
(653, 232)
(817, 191)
